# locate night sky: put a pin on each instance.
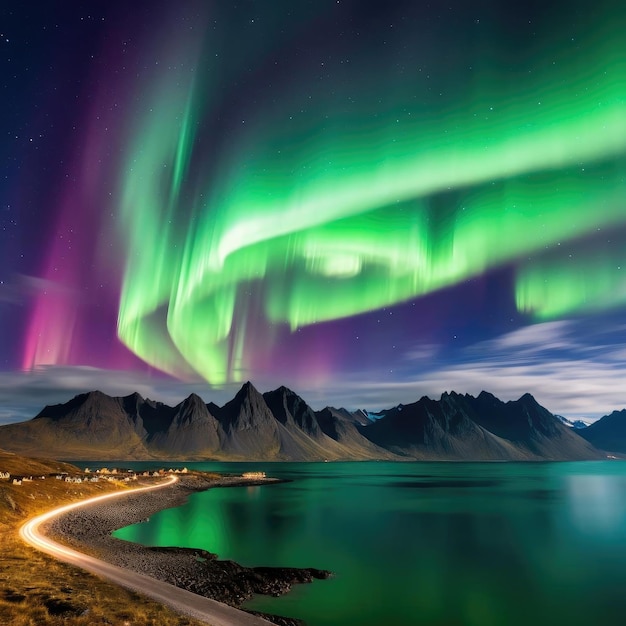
(364, 201)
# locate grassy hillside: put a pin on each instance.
(22, 466)
(37, 589)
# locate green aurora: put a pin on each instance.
(370, 190)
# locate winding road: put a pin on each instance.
(182, 601)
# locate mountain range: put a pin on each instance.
(279, 425)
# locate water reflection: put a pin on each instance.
(467, 544)
(597, 504)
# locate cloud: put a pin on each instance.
(582, 388)
(531, 339)
(24, 394)
(570, 368)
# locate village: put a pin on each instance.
(111, 475)
(93, 476)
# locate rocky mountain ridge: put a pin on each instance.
(608, 433)
(279, 425)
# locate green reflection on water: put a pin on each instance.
(423, 543)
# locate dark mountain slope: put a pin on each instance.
(192, 430)
(342, 426)
(464, 427)
(529, 426)
(87, 423)
(430, 429)
(249, 428)
(292, 411)
(608, 433)
(279, 425)
(300, 435)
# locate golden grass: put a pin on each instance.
(37, 590)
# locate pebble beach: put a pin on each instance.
(88, 529)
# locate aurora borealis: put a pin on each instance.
(355, 195)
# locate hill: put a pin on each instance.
(608, 433)
(25, 466)
(280, 426)
(463, 427)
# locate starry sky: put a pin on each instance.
(366, 201)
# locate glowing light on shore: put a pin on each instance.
(30, 531)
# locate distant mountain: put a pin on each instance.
(292, 411)
(187, 429)
(249, 426)
(430, 429)
(89, 422)
(530, 427)
(280, 425)
(608, 433)
(342, 426)
(464, 427)
(577, 424)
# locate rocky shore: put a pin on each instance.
(89, 529)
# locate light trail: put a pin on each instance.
(29, 532)
(182, 601)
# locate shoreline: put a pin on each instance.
(88, 527)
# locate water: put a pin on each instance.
(422, 543)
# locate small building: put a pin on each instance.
(5, 475)
(253, 475)
(17, 481)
